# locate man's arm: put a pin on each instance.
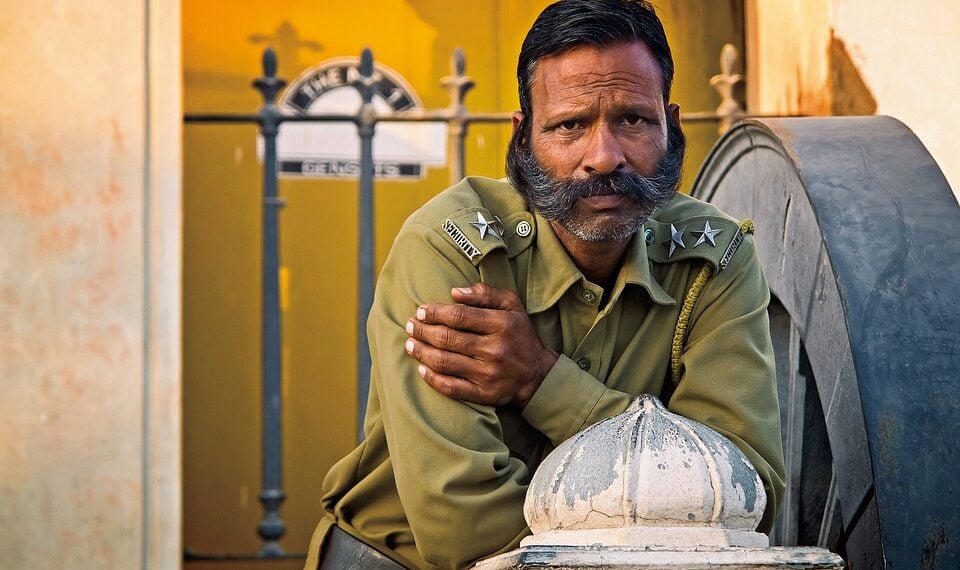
(462, 492)
(485, 350)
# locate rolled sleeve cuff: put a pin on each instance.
(564, 401)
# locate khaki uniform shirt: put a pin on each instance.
(439, 482)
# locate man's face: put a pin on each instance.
(598, 160)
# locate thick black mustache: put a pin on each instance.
(615, 183)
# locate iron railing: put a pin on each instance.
(269, 118)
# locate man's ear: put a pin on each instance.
(674, 110)
(517, 119)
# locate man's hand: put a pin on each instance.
(483, 350)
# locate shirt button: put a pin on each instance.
(648, 236)
(524, 228)
(584, 363)
(588, 296)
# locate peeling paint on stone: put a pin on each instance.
(645, 467)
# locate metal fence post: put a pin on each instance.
(271, 527)
(366, 125)
(457, 85)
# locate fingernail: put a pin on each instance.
(422, 370)
(421, 314)
(464, 290)
(409, 327)
(409, 345)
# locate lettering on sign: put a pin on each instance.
(402, 151)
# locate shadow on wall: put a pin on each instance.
(849, 93)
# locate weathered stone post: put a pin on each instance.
(649, 489)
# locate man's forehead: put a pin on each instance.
(627, 66)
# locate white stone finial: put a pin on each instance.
(652, 475)
(649, 489)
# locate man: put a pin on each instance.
(511, 315)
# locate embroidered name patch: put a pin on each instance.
(731, 249)
(462, 241)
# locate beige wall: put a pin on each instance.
(909, 56)
(854, 57)
(90, 231)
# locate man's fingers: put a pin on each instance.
(442, 361)
(486, 296)
(451, 386)
(444, 337)
(460, 317)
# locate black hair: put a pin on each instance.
(568, 24)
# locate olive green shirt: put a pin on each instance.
(439, 482)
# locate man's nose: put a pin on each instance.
(604, 154)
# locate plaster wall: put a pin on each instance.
(90, 284)
(907, 55)
(860, 57)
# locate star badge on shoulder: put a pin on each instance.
(485, 226)
(676, 239)
(707, 235)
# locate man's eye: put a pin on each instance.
(569, 125)
(633, 119)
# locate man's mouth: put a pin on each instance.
(600, 201)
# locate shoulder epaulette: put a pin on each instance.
(477, 231)
(714, 239)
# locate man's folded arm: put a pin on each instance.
(570, 400)
(461, 491)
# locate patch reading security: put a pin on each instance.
(462, 241)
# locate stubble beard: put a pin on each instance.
(558, 199)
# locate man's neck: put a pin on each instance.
(598, 261)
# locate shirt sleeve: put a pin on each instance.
(461, 491)
(570, 400)
(728, 380)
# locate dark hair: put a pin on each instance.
(567, 24)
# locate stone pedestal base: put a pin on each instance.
(646, 558)
(657, 537)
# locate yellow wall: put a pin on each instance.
(221, 47)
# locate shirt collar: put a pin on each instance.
(636, 270)
(552, 272)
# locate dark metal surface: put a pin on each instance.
(367, 127)
(857, 233)
(271, 527)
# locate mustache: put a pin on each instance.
(555, 198)
(632, 185)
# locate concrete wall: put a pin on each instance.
(855, 57)
(90, 230)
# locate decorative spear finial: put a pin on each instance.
(725, 82)
(457, 84)
(269, 85)
(365, 82)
